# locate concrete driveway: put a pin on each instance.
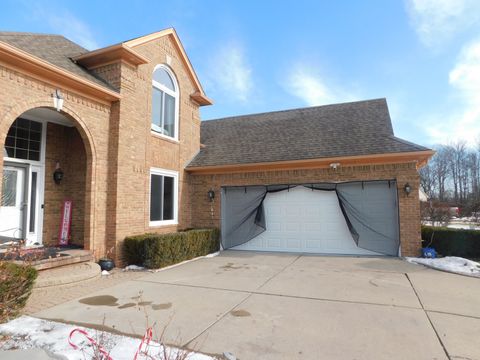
(290, 306)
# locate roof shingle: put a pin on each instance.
(55, 49)
(348, 129)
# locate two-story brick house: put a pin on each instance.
(122, 125)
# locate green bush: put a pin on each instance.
(159, 250)
(16, 283)
(452, 242)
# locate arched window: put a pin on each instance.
(164, 102)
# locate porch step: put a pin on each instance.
(75, 256)
(67, 274)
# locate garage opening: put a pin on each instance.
(352, 218)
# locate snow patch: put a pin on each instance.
(452, 264)
(133, 268)
(27, 332)
(212, 254)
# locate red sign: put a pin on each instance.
(66, 223)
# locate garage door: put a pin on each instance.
(354, 218)
(302, 220)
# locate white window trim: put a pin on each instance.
(170, 173)
(175, 94)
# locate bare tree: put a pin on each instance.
(440, 165)
(428, 180)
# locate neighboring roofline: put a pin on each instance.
(239, 117)
(24, 62)
(419, 157)
(199, 96)
(109, 54)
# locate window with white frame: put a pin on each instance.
(164, 102)
(163, 197)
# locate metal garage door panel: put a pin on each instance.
(302, 220)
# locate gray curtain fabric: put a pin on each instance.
(370, 209)
(242, 214)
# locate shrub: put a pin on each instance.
(159, 250)
(16, 283)
(452, 242)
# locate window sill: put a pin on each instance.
(158, 224)
(164, 137)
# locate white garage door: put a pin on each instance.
(302, 220)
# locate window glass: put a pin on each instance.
(168, 190)
(157, 106)
(33, 202)
(164, 103)
(24, 139)
(162, 197)
(156, 192)
(162, 77)
(9, 188)
(169, 119)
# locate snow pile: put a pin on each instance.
(133, 268)
(28, 332)
(212, 254)
(453, 264)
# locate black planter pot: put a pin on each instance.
(106, 264)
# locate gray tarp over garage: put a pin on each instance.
(370, 210)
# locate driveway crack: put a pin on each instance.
(278, 273)
(428, 317)
(186, 345)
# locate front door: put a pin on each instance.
(12, 203)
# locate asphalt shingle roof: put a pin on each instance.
(348, 129)
(55, 49)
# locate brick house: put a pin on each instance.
(122, 125)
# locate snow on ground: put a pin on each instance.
(463, 226)
(28, 332)
(133, 268)
(453, 264)
(212, 254)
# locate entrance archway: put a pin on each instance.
(35, 143)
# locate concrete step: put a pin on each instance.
(67, 274)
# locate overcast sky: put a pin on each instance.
(256, 56)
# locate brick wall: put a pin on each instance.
(92, 119)
(65, 145)
(119, 148)
(134, 149)
(207, 214)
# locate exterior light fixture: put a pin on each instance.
(334, 165)
(211, 195)
(58, 174)
(58, 100)
(407, 188)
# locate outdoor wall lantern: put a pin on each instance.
(407, 188)
(211, 194)
(58, 100)
(58, 174)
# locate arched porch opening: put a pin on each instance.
(34, 145)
